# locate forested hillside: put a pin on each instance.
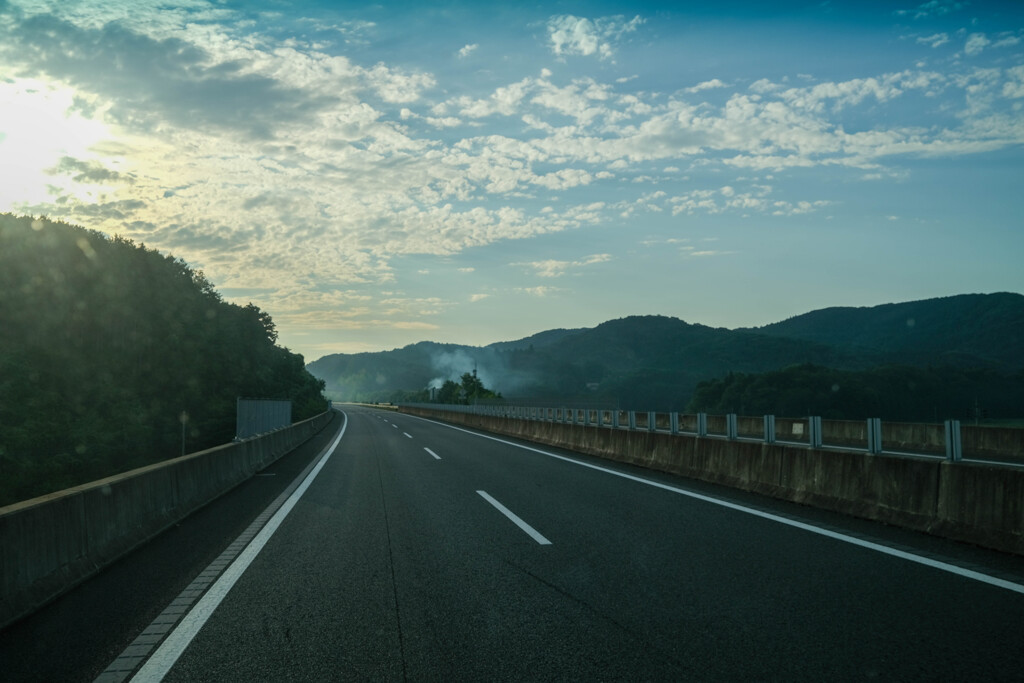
(894, 392)
(642, 362)
(952, 357)
(968, 330)
(106, 347)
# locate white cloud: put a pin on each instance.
(936, 8)
(976, 42)
(473, 298)
(571, 35)
(564, 179)
(413, 306)
(854, 91)
(584, 100)
(398, 87)
(505, 100)
(407, 325)
(264, 159)
(443, 122)
(707, 85)
(934, 40)
(763, 85)
(1014, 85)
(354, 32)
(555, 268)
(707, 253)
(541, 291)
(468, 50)
(670, 240)
(755, 200)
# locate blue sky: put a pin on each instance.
(377, 175)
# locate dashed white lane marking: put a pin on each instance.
(436, 456)
(407, 434)
(877, 547)
(530, 531)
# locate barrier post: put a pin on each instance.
(673, 421)
(702, 424)
(731, 432)
(954, 446)
(814, 432)
(874, 435)
(769, 429)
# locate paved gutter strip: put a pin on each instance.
(140, 648)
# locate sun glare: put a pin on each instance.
(39, 127)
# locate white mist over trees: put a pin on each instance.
(959, 356)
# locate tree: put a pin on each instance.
(472, 387)
(450, 392)
(104, 343)
(470, 390)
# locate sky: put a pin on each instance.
(373, 175)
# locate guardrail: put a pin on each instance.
(950, 440)
(51, 543)
(910, 475)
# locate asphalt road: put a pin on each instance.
(424, 552)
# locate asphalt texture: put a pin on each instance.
(75, 637)
(392, 566)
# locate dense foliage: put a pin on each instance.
(107, 347)
(467, 391)
(643, 362)
(968, 348)
(968, 330)
(899, 393)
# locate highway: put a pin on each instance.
(412, 550)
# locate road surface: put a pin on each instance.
(419, 551)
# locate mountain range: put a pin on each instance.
(656, 362)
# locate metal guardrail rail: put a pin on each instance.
(806, 431)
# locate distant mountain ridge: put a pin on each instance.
(656, 362)
(984, 329)
(539, 340)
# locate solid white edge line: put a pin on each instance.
(438, 457)
(877, 547)
(531, 532)
(160, 662)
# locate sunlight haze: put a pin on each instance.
(377, 175)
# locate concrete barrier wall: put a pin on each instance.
(972, 502)
(51, 543)
(981, 442)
